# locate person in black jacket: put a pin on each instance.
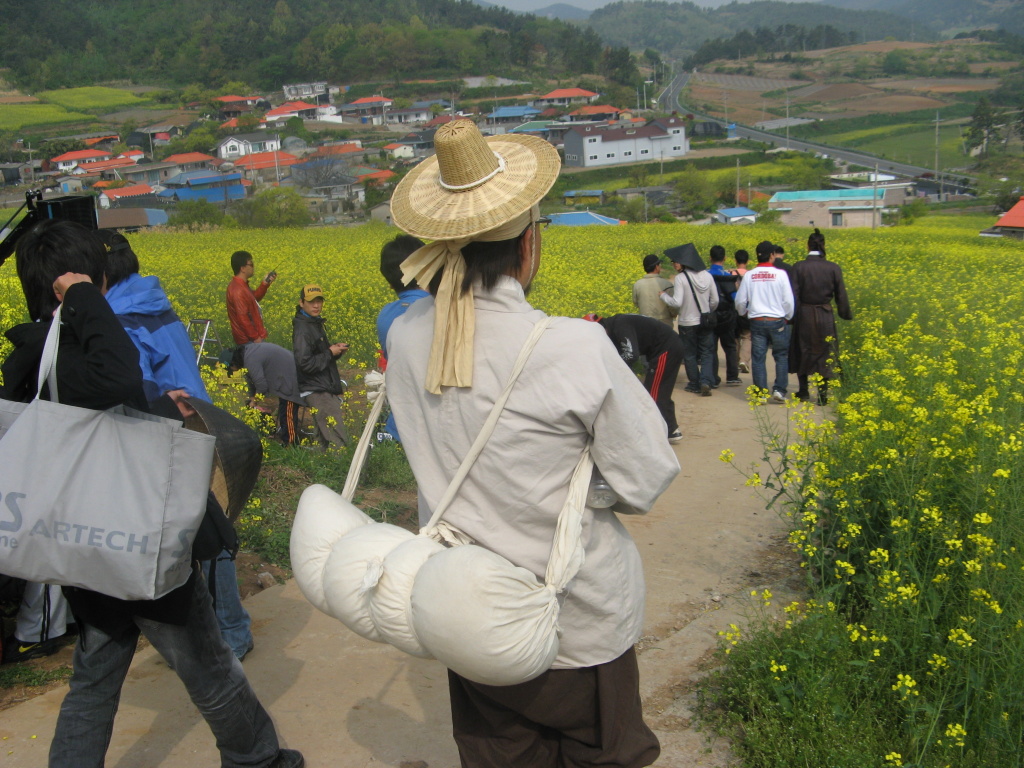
(636, 336)
(316, 362)
(61, 262)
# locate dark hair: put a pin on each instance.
(239, 259)
(816, 241)
(50, 249)
(392, 255)
(742, 257)
(489, 261)
(717, 253)
(121, 259)
(763, 258)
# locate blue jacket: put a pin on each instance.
(166, 354)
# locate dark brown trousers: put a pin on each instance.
(566, 718)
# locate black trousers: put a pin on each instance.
(725, 333)
(661, 380)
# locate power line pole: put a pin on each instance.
(937, 151)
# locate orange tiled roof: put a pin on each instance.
(133, 191)
(593, 109)
(1013, 217)
(371, 100)
(261, 160)
(106, 165)
(568, 93)
(290, 106)
(189, 157)
(338, 149)
(377, 176)
(81, 154)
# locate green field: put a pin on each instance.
(907, 143)
(16, 117)
(95, 98)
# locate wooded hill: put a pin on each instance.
(270, 42)
(947, 17)
(679, 29)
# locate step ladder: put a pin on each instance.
(203, 336)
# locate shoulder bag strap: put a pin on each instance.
(695, 299)
(48, 360)
(488, 428)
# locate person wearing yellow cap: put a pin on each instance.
(316, 361)
(449, 357)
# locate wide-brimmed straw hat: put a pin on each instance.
(473, 184)
(237, 455)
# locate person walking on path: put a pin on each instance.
(647, 293)
(694, 294)
(316, 361)
(449, 357)
(766, 298)
(62, 263)
(636, 337)
(725, 318)
(168, 361)
(742, 258)
(817, 337)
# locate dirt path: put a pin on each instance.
(348, 703)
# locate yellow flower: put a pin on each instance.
(727, 456)
(956, 732)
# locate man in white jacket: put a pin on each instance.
(766, 298)
(694, 293)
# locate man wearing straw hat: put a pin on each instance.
(449, 357)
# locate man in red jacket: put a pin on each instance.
(243, 309)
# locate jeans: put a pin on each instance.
(211, 674)
(775, 333)
(234, 621)
(698, 355)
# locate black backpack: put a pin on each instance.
(726, 285)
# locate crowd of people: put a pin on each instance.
(450, 339)
(787, 308)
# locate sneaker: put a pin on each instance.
(16, 650)
(803, 397)
(691, 388)
(705, 390)
(676, 437)
(744, 368)
(288, 758)
(733, 382)
(778, 397)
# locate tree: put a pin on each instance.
(278, 207)
(193, 214)
(983, 127)
(696, 193)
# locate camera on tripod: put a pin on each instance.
(79, 208)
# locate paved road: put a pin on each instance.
(669, 101)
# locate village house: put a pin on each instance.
(193, 161)
(409, 115)
(592, 146)
(211, 186)
(499, 121)
(833, 208)
(399, 151)
(593, 112)
(320, 93)
(266, 166)
(290, 109)
(146, 173)
(139, 193)
(369, 109)
(67, 162)
(563, 97)
(1010, 224)
(737, 215)
(235, 147)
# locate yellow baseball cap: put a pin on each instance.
(311, 292)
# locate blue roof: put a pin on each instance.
(213, 194)
(734, 212)
(514, 112)
(826, 195)
(156, 216)
(585, 193)
(581, 219)
(195, 178)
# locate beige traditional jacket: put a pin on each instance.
(646, 298)
(574, 388)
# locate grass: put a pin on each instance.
(16, 117)
(27, 675)
(93, 98)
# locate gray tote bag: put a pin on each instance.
(105, 500)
